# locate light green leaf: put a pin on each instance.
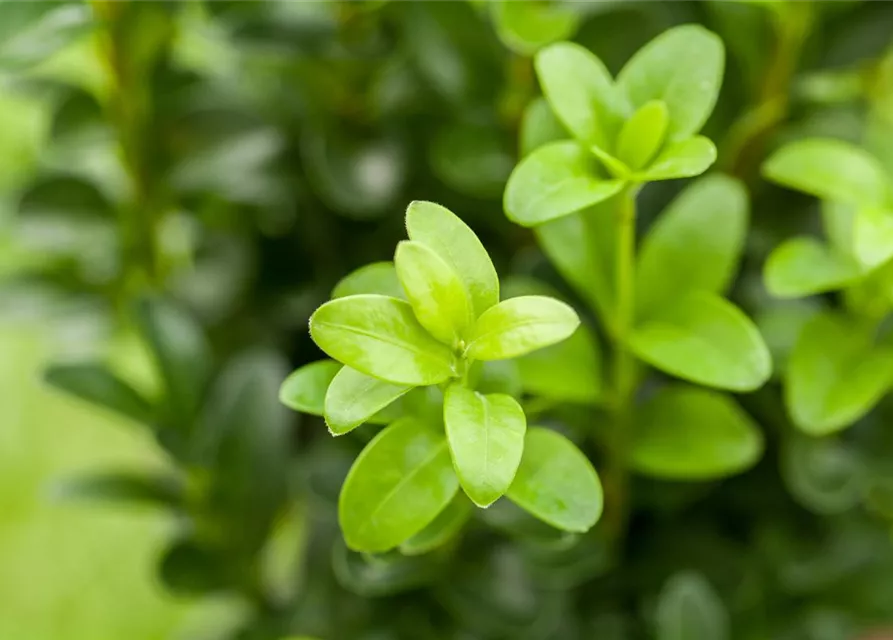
(682, 159)
(569, 371)
(396, 487)
(582, 248)
(455, 242)
(689, 609)
(486, 438)
(380, 336)
(436, 293)
(96, 384)
(643, 134)
(555, 180)
(687, 433)
(353, 398)
(695, 244)
(705, 339)
(445, 527)
(835, 375)
(539, 126)
(581, 93)
(526, 27)
(873, 236)
(520, 325)
(829, 169)
(804, 266)
(376, 277)
(556, 482)
(305, 388)
(683, 67)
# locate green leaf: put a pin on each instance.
(437, 295)
(835, 375)
(569, 371)
(682, 159)
(181, 351)
(581, 93)
(643, 134)
(557, 179)
(96, 384)
(705, 339)
(695, 244)
(688, 608)
(805, 266)
(474, 159)
(380, 336)
(459, 247)
(539, 126)
(353, 398)
(556, 482)
(526, 27)
(824, 474)
(687, 433)
(445, 527)
(376, 277)
(683, 67)
(124, 486)
(520, 325)
(396, 487)
(829, 169)
(305, 388)
(486, 438)
(582, 248)
(873, 236)
(187, 567)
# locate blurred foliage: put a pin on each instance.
(201, 175)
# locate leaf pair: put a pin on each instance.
(859, 217)
(641, 128)
(401, 491)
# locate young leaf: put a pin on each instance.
(96, 384)
(442, 529)
(582, 248)
(557, 179)
(829, 169)
(643, 134)
(688, 608)
(376, 277)
(556, 482)
(682, 159)
(569, 371)
(434, 290)
(305, 388)
(353, 398)
(581, 93)
(804, 266)
(835, 375)
(459, 247)
(687, 433)
(486, 438)
(539, 126)
(695, 245)
(181, 351)
(683, 67)
(396, 487)
(526, 27)
(705, 339)
(873, 236)
(380, 336)
(518, 326)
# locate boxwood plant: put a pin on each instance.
(411, 342)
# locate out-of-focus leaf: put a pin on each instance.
(539, 126)
(824, 474)
(382, 575)
(688, 608)
(187, 567)
(804, 266)
(124, 487)
(526, 27)
(96, 384)
(32, 31)
(472, 159)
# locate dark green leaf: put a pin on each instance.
(126, 487)
(96, 384)
(688, 608)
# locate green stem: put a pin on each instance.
(624, 368)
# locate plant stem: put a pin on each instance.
(624, 368)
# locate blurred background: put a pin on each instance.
(190, 179)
